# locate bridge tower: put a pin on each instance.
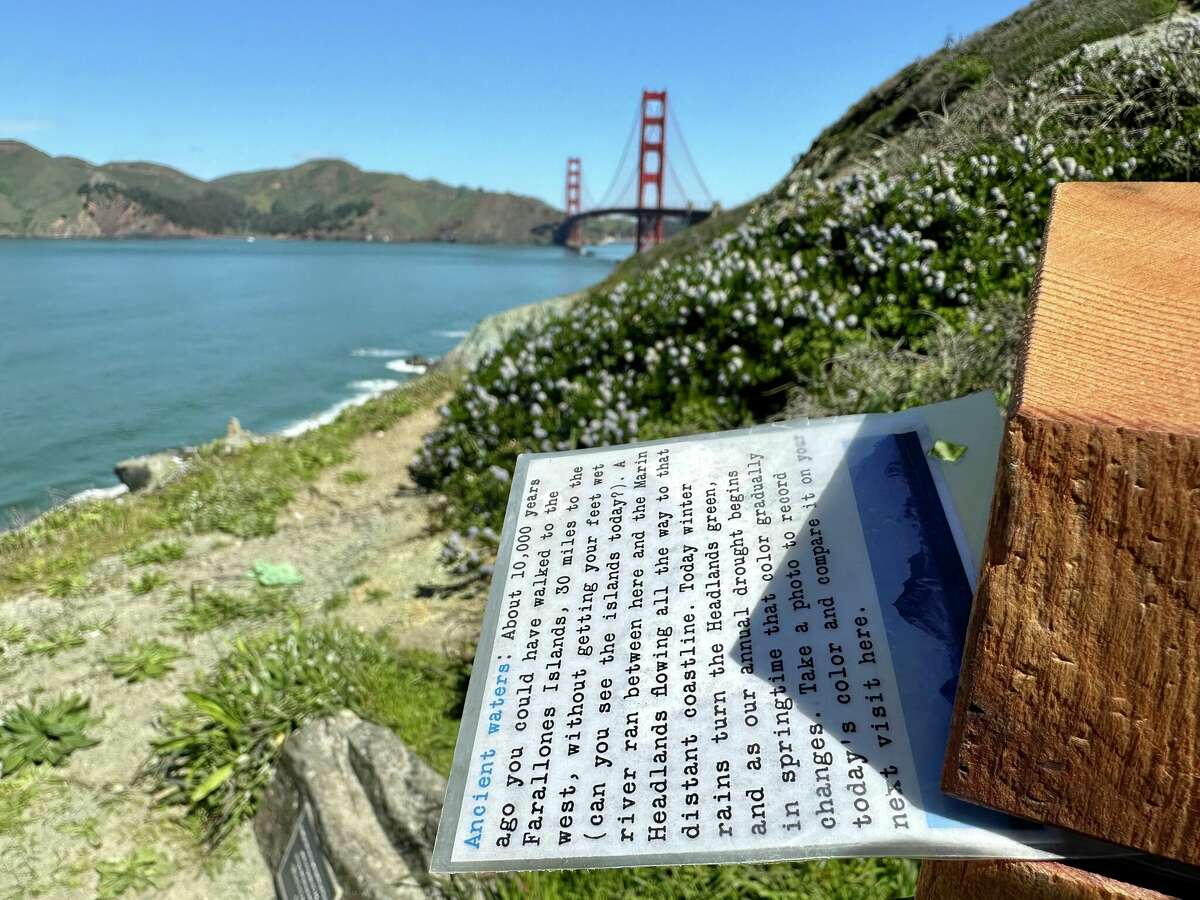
(574, 201)
(652, 161)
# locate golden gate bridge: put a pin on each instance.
(643, 195)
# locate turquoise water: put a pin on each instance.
(111, 349)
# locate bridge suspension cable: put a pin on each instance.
(608, 198)
(678, 135)
(674, 176)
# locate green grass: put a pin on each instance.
(1010, 51)
(206, 610)
(12, 635)
(417, 694)
(240, 494)
(17, 794)
(335, 601)
(52, 643)
(138, 872)
(155, 554)
(353, 476)
(86, 829)
(147, 582)
(830, 879)
(216, 749)
(143, 660)
(66, 584)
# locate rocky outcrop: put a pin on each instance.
(143, 473)
(116, 217)
(491, 332)
(146, 473)
(373, 804)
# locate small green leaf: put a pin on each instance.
(212, 708)
(211, 783)
(947, 451)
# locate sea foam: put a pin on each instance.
(368, 389)
(407, 368)
(378, 353)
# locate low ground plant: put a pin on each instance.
(55, 641)
(16, 795)
(827, 879)
(44, 734)
(66, 584)
(335, 601)
(217, 749)
(139, 871)
(11, 636)
(143, 660)
(157, 553)
(209, 609)
(147, 582)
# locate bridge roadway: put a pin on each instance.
(562, 231)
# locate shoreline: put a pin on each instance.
(472, 344)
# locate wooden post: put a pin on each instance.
(1079, 699)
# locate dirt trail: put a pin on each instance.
(367, 536)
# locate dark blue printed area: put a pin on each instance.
(925, 596)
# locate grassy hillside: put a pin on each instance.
(41, 195)
(1008, 52)
(978, 70)
(900, 283)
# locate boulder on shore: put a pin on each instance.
(146, 473)
(373, 803)
(142, 473)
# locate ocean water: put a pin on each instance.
(112, 349)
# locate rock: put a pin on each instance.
(237, 437)
(141, 473)
(491, 333)
(374, 803)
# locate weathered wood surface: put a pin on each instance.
(1079, 699)
(993, 880)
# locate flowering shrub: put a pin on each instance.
(714, 340)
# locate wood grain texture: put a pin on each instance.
(992, 880)
(1114, 330)
(1079, 697)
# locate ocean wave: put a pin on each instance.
(378, 353)
(404, 366)
(375, 386)
(456, 335)
(367, 390)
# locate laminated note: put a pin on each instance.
(730, 647)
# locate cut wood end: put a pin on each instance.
(1114, 328)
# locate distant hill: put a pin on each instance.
(61, 196)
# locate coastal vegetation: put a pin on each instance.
(238, 494)
(928, 248)
(897, 282)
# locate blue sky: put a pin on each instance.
(494, 95)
